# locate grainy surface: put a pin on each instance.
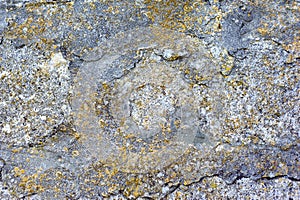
(149, 99)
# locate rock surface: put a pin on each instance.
(145, 99)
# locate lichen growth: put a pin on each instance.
(132, 130)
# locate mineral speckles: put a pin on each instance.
(155, 98)
(216, 188)
(252, 105)
(151, 111)
(151, 106)
(32, 93)
(269, 96)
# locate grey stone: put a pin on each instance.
(239, 131)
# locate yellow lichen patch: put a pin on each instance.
(102, 123)
(59, 175)
(177, 123)
(228, 66)
(76, 135)
(214, 185)
(217, 24)
(106, 87)
(56, 189)
(263, 30)
(28, 183)
(179, 195)
(286, 147)
(36, 27)
(187, 182)
(112, 9)
(65, 149)
(18, 171)
(133, 187)
(113, 171)
(165, 128)
(29, 29)
(17, 150)
(170, 14)
(93, 5)
(75, 153)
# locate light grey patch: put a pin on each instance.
(3, 22)
(199, 138)
(93, 56)
(171, 55)
(121, 66)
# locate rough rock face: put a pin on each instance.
(148, 99)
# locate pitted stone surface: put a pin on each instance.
(152, 109)
(236, 63)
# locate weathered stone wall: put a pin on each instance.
(144, 99)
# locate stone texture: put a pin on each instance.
(236, 64)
